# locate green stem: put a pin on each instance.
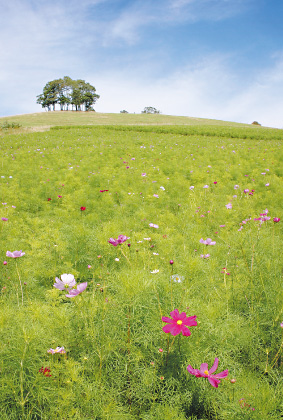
(20, 283)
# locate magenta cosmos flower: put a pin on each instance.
(207, 241)
(276, 219)
(119, 240)
(15, 254)
(204, 372)
(74, 292)
(179, 323)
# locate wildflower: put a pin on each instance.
(67, 282)
(176, 278)
(154, 271)
(162, 188)
(233, 381)
(191, 187)
(59, 196)
(4, 219)
(49, 199)
(281, 325)
(207, 241)
(246, 191)
(118, 241)
(179, 323)
(74, 292)
(147, 239)
(160, 350)
(89, 266)
(215, 182)
(144, 174)
(5, 263)
(276, 219)
(221, 225)
(117, 259)
(15, 254)
(59, 350)
(83, 208)
(45, 371)
(156, 195)
(153, 225)
(203, 372)
(267, 185)
(206, 186)
(171, 262)
(205, 256)
(155, 253)
(228, 206)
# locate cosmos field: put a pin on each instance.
(149, 282)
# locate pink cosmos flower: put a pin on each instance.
(67, 282)
(60, 350)
(204, 372)
(119, 240)
(276, 219)
(179, 323)
(228, 206)
(15, 254)
(206, 186)
(5, 263)
(246, 191)
(236, 187)
(74, 292)
(205, 256)
(153, 225)
(4, 219)
(207, 241)
(144, 174)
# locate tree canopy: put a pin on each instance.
(150, 110)
(65, 92)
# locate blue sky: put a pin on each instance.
(220, 59)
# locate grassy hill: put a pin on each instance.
(44, 120)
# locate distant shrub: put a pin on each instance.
(256, 123)
(124, 112)
(6, 125)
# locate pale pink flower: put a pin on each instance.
(205, 256)
(153, 225)
(15, 254)
(207, 241)
(67, 282)
(74, 292)
(4, 219)
(228, 206)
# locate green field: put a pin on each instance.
(167, 184)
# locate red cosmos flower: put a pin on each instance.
(48, 199)
(83, 208)
(45, 371)
(179, 323)
(204, 372)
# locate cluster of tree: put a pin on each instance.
(150, 110)
(65, 92)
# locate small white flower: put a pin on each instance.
(154, 271)
(162, 188)
(117, 259)
(155, 253)
(177, 279)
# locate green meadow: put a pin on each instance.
(69, 183)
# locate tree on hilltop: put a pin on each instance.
(65, 92)
(150, 110)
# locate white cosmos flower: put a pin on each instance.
(154, 271)
(177, 279)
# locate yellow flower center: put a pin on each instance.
(179, 322)
(206, 372)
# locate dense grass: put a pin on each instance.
(112, 332)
